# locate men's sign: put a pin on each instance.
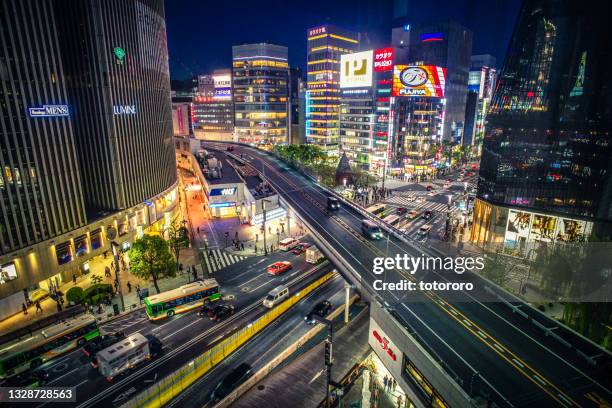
(47, 111)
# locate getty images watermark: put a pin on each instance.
(410, 264)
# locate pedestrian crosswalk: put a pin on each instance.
(403, 201)
(217, 259)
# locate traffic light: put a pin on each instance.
(329, 360)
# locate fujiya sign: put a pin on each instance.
(49, 111)
(124, 109)
(382, 344)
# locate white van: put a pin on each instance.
(275, 296)
(313, 254)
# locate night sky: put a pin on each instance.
(201, 33)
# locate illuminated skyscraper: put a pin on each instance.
(325, 45)
(545, 169)
(261, 94)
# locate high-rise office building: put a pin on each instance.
(87, 154)
(481, 83)
(296, 106)
(545, 168)
(261, 94)
(325, 46)
(213, 107)
(447, 45)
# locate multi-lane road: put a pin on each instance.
(185, 336)
(488, 348)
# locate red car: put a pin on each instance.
(279, 267)
(300, 248)
(401, 210)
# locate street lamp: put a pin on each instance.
(263, 207)
(449, 228)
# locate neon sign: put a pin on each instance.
(383, 59)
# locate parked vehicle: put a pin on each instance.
(221, 312)
(313, 255)
(239, 375)
(321, 309)
(279, 267)
(276, 296)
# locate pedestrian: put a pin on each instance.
(385, 382)
(399, 401)
(24, 308)
(74, 279)
(107, 272)
(394, 384)
(194, 271)
(242, 246)
(129, 286)
(198, 229)
(38, 307)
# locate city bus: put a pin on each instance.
(182, 299)
(27, 353)
(123, 355)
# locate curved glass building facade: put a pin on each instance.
(546, 149)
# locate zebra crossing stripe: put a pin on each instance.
(220, 259)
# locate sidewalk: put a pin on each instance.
(97, 266)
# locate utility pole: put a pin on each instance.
(114, 246)
(329, 358)
(263, 206)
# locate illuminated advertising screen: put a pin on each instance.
(7, 273)
(419, 80)
(383, 59)
(356, 70)
(517, 230)
(223, 87)
(526, 227)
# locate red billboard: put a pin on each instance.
(383, 59)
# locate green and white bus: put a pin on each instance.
(27, 353)
(182, 299)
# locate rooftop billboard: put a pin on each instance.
(419, 80)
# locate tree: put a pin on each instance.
(150, 258)
(178, 238)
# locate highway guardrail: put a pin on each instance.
(276, 361)
(172, 385)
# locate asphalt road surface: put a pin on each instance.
(485, 346)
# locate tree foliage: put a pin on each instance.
(312, 159)
(150, 258)
(178, 238)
